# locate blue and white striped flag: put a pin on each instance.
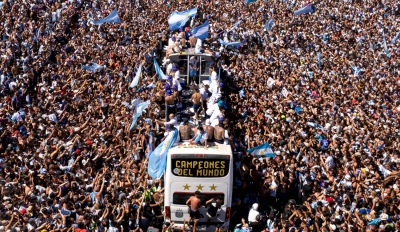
(135, 80)
(356, 70)
(394, 39)
(314, 125)
(307, 9)
(158, 158)
(319, 59)
(92, 67)
(234, 25)
(237, 44)
(159, 72)
(247, 2)
(385, 46)
(138, 112)
(270, 24)
(263, 150)
(201, 32)
(111, 18)
(178, 19)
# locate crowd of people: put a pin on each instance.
(321, 88)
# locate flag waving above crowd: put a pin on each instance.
(201, 32)
(263, 150)
(111, 18)
(178, 19)
(309, 8)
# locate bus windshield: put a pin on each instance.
(207, 167)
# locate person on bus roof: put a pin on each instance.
(194, 204)
(185, 130)
(200, 138)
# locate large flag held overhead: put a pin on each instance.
(111, 18)
(310, 8)
(138, 112)
(385, 46)
(234, 26)
(159, 72)
(178, 19)
(201, 32)
(394, 39)
(270, 24)
(92, 67)
(319, 56)
(158, 158)
(237, 44)
(356, 70)
(263, 150)
(249, 1)
(135, 80)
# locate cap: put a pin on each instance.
(255, 206)
(383, 217)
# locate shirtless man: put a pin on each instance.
(197, 100)
(194, 204)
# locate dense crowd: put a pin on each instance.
(320, 88)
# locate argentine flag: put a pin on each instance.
(249, 1)
(138, 112)
(111, 18)
(201, 32)
(158, 157)
(310, 8)
(385, 46)
(237, 44)
(159, 72)
(135, 80)
(92, 67)
(263, 150)
(234, 26)
(178, 19)
(270, 24)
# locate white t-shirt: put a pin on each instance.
(252, 215)
(216, 113)
(177, 74)
(194, 61)
(177, 83)
(272, 192)
(211, 109)
(173, 122)
(329, 162)
(199, 44)
(169, 68)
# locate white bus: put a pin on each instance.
(192, 168)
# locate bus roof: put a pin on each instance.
(215, 149)
(191, 52)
